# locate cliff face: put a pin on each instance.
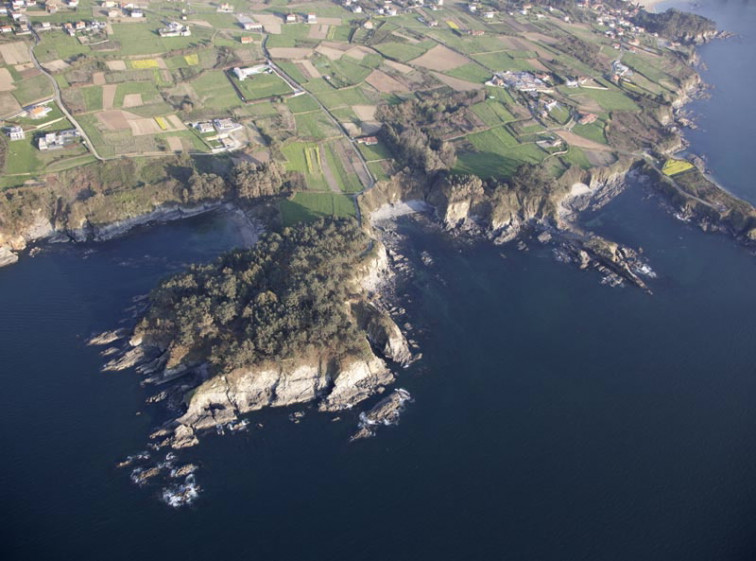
(330, 378)
(37, 227)
(337, 385)
(41, 228)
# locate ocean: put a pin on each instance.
(553, 418)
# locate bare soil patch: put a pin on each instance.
(537, 64)
(116, 65)
(271, 22)
(333, 184)
(346, 153)
(440, 58)
(365, 112)
(330, 21)
(113, 120)
(319, 31)
(403, 68)
(540, 38)
(174, 143)
(330, 52)
(290, 52)
(108, 96)
(577, 140)
(588, 104)
(175, 122)
(200, 23)
(410, 40)
(599, 158)
(98, 79)
(55, 65)
(385, 83)
(29, 73)
(352, 129)
(358, 53)
(6, 80)
(15, 53)
(144, 125)
(8, 104)
(457, 84)
(337, 45)
(132, 100)
(308, 68)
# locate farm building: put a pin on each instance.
(38, 111)
(57, 140)
(174, 29)
(204, 127)
(226, 126)
(243, 73)
(16, 133)
(248, 24)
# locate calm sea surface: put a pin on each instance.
(554, 418)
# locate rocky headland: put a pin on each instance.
(219, 365)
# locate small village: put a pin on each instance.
(305, 85)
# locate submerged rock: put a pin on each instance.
(182, 494)
(386, 412)
(108, 337)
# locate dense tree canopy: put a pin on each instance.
(674, 24)
(286, 296)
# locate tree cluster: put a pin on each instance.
(674, 24)
(286, 297)
(414, 129)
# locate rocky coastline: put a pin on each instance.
(193, 402)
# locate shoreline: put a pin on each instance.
(650, 5)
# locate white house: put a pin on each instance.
(243, 73)
(16, 133)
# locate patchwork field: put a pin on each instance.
(440, 58)
(136, 93)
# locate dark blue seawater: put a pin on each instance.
(554, 418)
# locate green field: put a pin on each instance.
(498, 62)
(492, 112)
(576, 157)
(215, 91)
(262, 86)
(147, 90)
(307, 207)
(304, 158)
(142, 38)
(470, 72)
(315, 125)
(609, 100)
(302, 104)
(309, 159)
(594, 131)
(404, 52)
(374, 153)
(58, 45)
(497, 154)
(33, 89)
(332, 98)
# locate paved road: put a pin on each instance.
(297, 86)
(59, 100)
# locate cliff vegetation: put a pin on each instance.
(284, 298)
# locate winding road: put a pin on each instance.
(59, 100)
